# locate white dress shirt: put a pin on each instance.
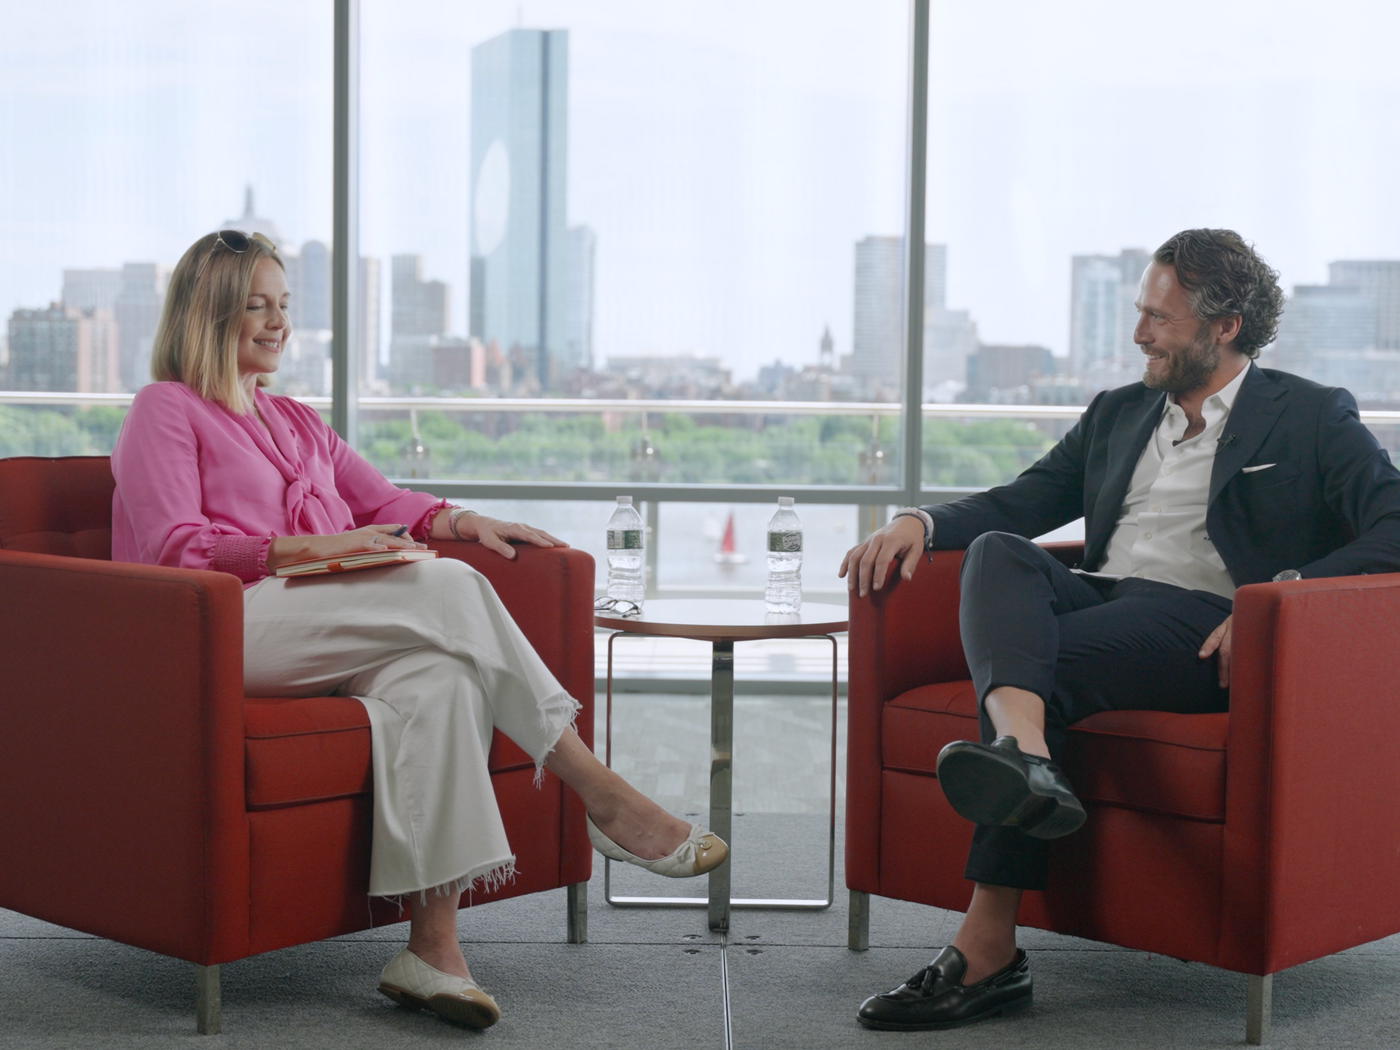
(1161, 532)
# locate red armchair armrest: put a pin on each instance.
(901, 637)
(1312, 828)
(121, 763)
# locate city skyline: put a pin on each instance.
(1343, 333)
(725, 196)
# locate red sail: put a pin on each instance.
(726, 545)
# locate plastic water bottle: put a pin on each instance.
(784, 591)
(626, 553)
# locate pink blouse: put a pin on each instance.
(199, 487)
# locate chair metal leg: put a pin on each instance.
(858, 922)
(578, 912)
(1259, 1007)
(208, 1008)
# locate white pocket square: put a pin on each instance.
(1261, 466)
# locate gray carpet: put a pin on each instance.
(652, 978)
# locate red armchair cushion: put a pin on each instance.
(1146, 760)
(308, 750)
(317, 749)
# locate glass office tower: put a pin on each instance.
(519, 245)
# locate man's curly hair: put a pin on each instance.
(1223, 275)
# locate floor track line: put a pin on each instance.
(724, 987)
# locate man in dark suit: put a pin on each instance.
(1210, 474)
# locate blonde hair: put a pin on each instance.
(196, 342)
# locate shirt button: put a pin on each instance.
(1140, 576)
(1167, 471)
(1156, 510)
(1147, 535)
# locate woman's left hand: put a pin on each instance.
(493, 533)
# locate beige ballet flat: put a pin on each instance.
(409, 981)
(702, 851)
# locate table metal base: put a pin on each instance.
(719, 901)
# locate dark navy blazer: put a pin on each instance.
(1329, 505)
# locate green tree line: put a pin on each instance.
(809, 450)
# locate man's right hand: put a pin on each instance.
(868, 563)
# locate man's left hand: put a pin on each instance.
(1220, 639)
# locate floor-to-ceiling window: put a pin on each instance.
(615, 247)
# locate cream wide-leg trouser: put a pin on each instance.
(437, 661)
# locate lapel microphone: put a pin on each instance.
(1222, 443)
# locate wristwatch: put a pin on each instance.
(1288, 574)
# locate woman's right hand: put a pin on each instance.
(285, 550)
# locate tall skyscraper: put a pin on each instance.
(583, 247)
(878, 336)
(309, 281)
(63, 349)
(419, 307)
(92, 289)
(1379, 279)
(1103, 289)
(418, 320)
(519, 164)
(137, 311)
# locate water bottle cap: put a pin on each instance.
(625, 501)
(785, 501)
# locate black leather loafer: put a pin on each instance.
(996, 784)
(936, 998)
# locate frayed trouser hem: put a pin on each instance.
(558, 714)
(496, 875)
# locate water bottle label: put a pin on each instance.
(785, 542)
(624, 539)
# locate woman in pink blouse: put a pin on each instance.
(214, 473)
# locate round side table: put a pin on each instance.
(722, 622)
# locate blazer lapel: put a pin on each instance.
(1257, 407)
(1131, 431)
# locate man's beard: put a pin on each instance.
(1187, 369)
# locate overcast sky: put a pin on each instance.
(727, 154)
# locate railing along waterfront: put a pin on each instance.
(579, 405)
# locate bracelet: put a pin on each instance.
(452, 517)
(926, 519)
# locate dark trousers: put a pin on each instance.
(1082, 645)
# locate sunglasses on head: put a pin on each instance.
(239, 242)
(235, 241)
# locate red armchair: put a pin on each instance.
(146, 800)
(1252, 841)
